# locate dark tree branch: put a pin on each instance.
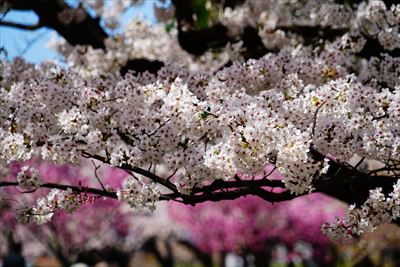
(184, 14)
(313, 33)
(354, 189)
(221, 184)
(141, 65)
(193, 40)
(346, 183)
(342, 181)
(274, 197)
(21, 26)
(75, 25)
(270, 196)
(346, 187)
(197, 41)
(17, 5)
(252, 42)
(96, 167)
(372, 48)
(315, 118)
(389, 3)
(191, 199)
(232, 3)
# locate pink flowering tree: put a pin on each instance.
(214, 89)
(249, 225)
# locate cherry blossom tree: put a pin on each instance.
(216, 89)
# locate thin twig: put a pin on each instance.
(31, 42)
(267, 175)
(359, 163)
(315, 117)
(96, 167)
(172, 175)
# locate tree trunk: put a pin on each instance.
(222, 259)
(263, 258)
(151, 246)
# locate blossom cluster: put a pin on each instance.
(28, 178)
(45, 207)
(378, 209)
(138, 195)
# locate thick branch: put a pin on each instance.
(75, 25)
(373, 48)
(204, 196)
(342, 181)
(346, 183)
(314, 33)
(389, 3)
(221, 184)
(141, 65)
(232, 3)
(16, 4)
(193, 40)
(252, 42)
(354, 189)
(197, 41)
(192, 199)
(311, 34)
(184, 13)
